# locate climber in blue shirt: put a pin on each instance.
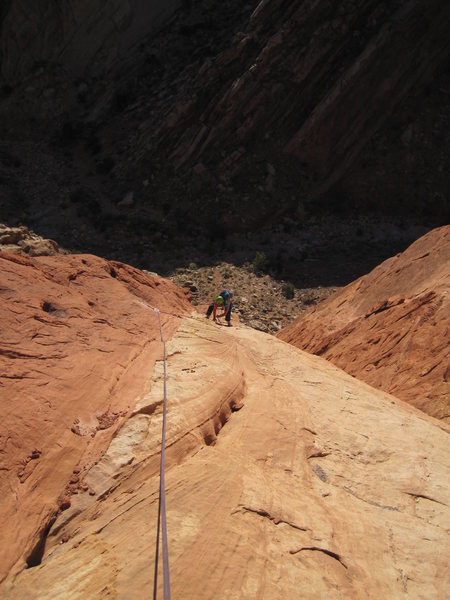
(223, 301)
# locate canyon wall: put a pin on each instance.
(390, 328)
(81, 35)
(295, 106)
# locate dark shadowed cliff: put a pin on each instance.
(233, 116)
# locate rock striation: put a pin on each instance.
(78, 335)
(286, 477)
(390, 328)
(81, 35)
(306, 86)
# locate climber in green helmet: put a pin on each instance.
(223, 301)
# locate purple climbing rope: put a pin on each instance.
(162, 526)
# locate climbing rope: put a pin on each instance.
(162, 527)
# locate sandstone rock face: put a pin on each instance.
(78, 338)
(286, 477)
(391, 327)
(79, 34)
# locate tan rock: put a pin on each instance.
(21, 240)
(391, 327)
(319, 486)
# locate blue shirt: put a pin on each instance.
(226, 295)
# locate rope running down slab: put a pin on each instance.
(162, 492)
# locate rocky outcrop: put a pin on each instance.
(285, 475)
(390, 327)
(80, 35)
(21, 240)
(78, 337)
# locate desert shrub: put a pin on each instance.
(288, 290)
(89, 207)
(260, 263)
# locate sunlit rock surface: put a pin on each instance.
(79, 340)
(286, 477)
(21, 240)
(391, 327)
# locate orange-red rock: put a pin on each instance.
(65, 503)
(391, 328)
(79, 336)
(285, 476)
(318, 487)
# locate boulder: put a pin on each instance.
(21, 240)
(127, 201)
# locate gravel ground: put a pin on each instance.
(299, 268)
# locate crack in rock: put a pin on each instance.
(423, 496)
(263, 513)
(148, 409)
(319, 454)
(371, 502)
(317, 549)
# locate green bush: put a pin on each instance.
(260, 263)
(288, 290)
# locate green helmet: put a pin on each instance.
(219, 300)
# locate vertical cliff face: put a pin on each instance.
(79, 34)
(243, 113)
(309, 80)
